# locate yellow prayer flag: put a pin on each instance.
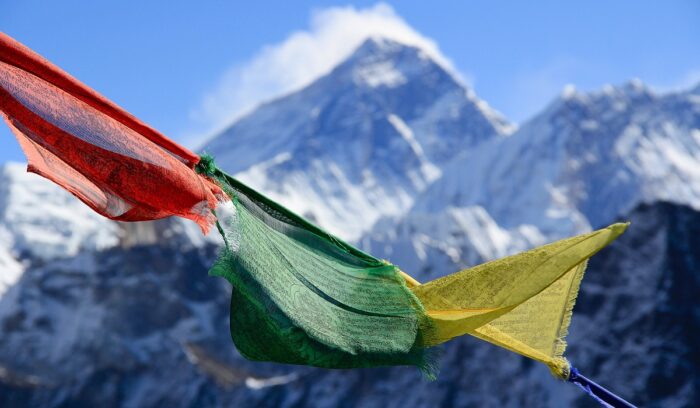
(522, 302)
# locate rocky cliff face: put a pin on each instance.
(138, 326)
(637, 325)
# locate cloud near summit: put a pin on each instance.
(303, 56)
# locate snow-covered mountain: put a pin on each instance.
(360, 142)
(10, 269)
(577, 165)
(40, 220)
(97, 313)
(139, 326)
(40, 223)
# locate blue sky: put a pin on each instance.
(188, 68)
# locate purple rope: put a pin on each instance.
(602, 395)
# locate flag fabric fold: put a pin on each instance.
(116, 164)
(523, 302)
(299, 294)
(363, 311)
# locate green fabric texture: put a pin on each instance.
(302, 296)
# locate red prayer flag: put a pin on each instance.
(75, 137)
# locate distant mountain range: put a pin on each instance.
(391, 151)
(579, 164)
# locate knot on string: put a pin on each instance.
(560, 368)
(206, 165)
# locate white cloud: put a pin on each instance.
(303, 56)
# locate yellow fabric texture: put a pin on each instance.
(522, 302)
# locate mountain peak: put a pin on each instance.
(375, 45)
(635, 88)
(378, 47)
(616, 97)
(381, 61)
(629, 91)
(568, 92)
(381, 124)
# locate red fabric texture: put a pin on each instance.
(116, 164)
